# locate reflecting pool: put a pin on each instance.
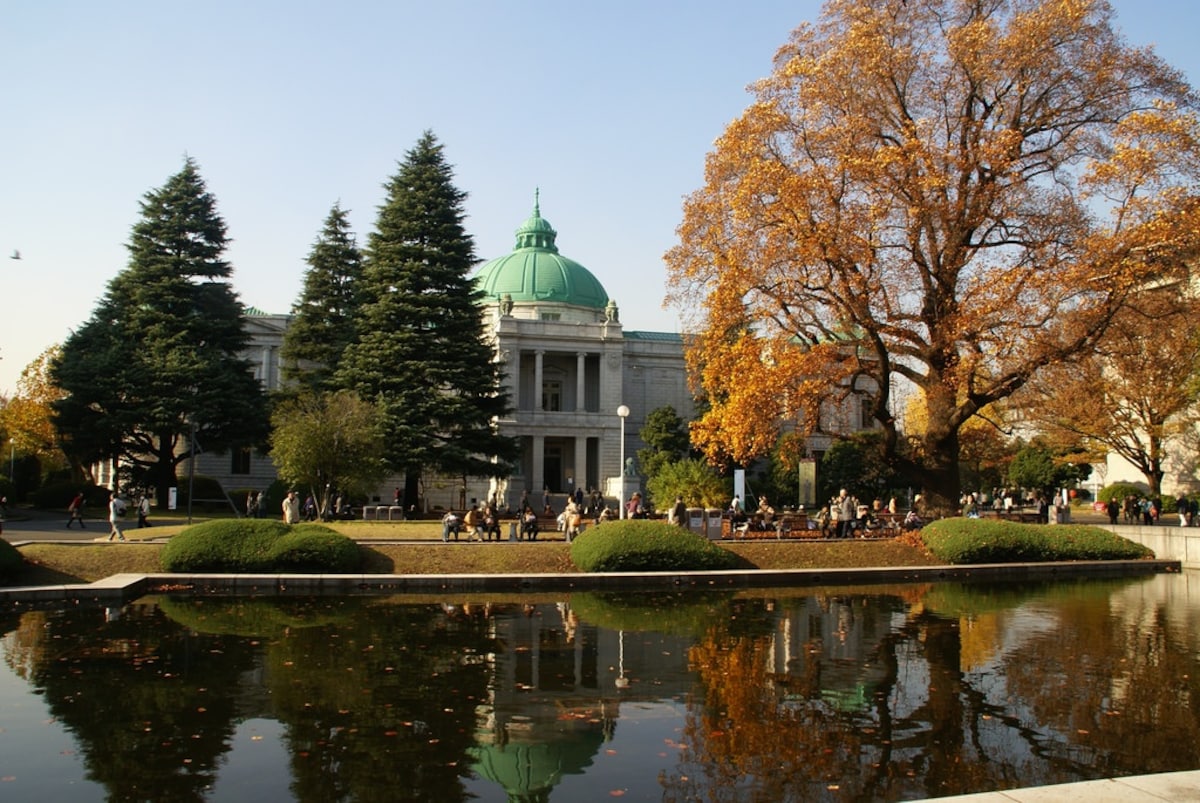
(854, 693)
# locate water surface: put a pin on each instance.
(867, 693)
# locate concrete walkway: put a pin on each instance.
(1177, 787)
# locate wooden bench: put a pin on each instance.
(1024, 516)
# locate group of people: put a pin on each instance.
(294, 511)
(842, 517)
(762, 519)
(117, 508)
(481, 523)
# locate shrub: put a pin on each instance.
(314, 548)
(11, 560)
(271, 502)
(960, 541)
(639, 545)
(1120, 490)
(259, 545)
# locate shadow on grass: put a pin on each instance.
(742, 562)
(375, 562)
(34, 575)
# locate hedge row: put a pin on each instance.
(260, 545)
(967, 541)
(643, 545)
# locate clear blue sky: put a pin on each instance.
(288, 107)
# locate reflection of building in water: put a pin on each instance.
(555, 697)
(818, 644)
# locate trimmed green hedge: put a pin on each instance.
(260, 545)
(11, 560)
(1120, 490)
(964, 541)
(643, 545)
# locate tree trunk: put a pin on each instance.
(412, 481)
(162, 475)
(938, 470)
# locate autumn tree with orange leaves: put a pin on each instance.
(941, 196)
(1135, 396)
(26, 417)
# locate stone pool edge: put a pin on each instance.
(120, 588)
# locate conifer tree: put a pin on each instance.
(421, 352)
(324, 318)
(160, 357)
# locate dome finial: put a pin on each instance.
(537, 232)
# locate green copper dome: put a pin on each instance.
(535, 271)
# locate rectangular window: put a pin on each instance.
(241, 461)
(552, 396)
(551, 316)
(868, 419)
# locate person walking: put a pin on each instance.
(144, 511)
(847, 511)
(75, 510)
(116, 508)
(291, 508)
(679, 512)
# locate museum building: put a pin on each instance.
(570, 367)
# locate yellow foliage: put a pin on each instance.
(27, 416)
(911, 196)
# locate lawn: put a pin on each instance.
(423, 553)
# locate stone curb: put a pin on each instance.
(122, 587)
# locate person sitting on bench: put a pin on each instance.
(529, 524)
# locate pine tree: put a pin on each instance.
(324, 319)
(160, 355)
(421, 351)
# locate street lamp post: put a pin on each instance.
(623, 413)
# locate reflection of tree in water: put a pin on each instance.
(825, 697)
(382, 705)
(1115, 686)
(788, 716)
(135, 692)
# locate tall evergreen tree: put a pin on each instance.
(421, 351)
(325, 316)
(160, 355)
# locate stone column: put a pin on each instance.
(266, 368)
(538, 479)
(537, 380)
(580, 364)
(581, 462)
(512, 367)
